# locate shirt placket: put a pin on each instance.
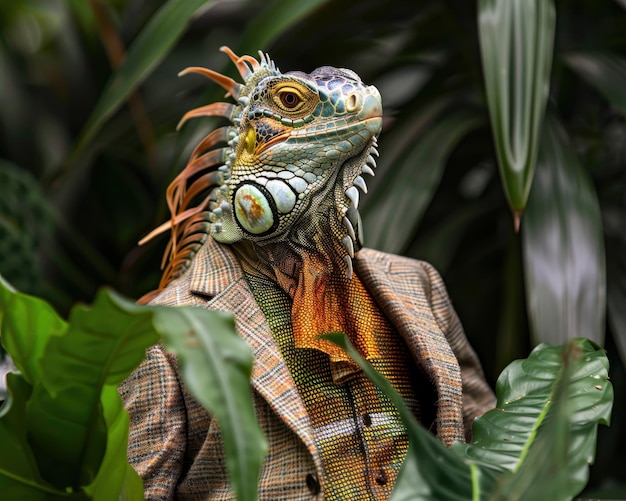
(381, 434)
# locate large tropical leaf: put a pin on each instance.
(72, 371)
(26, 325)
(567, 385)
(528, 391)
(543, 474)
(516, 40)
(19, 474)
(563, 247)
(114, 474)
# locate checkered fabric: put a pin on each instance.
(175, 444)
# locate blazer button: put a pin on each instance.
(313, 484)
(380, 478)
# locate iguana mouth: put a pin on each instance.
(372, 124)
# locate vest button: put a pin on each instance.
(367, 420)
(380, 478)
(313, 484)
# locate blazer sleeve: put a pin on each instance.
(478, 397)
(153, 398)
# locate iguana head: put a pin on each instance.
(292, 159)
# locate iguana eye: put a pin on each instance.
(292, 99)
(289, 99)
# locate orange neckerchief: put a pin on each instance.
(325, 303)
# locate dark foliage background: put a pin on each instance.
(84, 164)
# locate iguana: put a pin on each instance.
(284, 179)
(278, 190)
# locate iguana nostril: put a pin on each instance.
(352, 103)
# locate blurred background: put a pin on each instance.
(90, 98)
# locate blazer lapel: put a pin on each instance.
(399, 289)
(218, 277)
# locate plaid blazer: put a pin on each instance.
(175, 444)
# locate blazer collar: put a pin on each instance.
(404, 296)
(213, 269)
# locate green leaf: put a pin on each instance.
(563, 247)
(13, 489)
(605, 71)
(149, 48)
(556, 465)
(216, 365)
(73, 370)
(527, 391)
(516, 41)
(26, 325)
(102, 345)
(389, 224)
(16, 461)
(19, 476)
(114, 474)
